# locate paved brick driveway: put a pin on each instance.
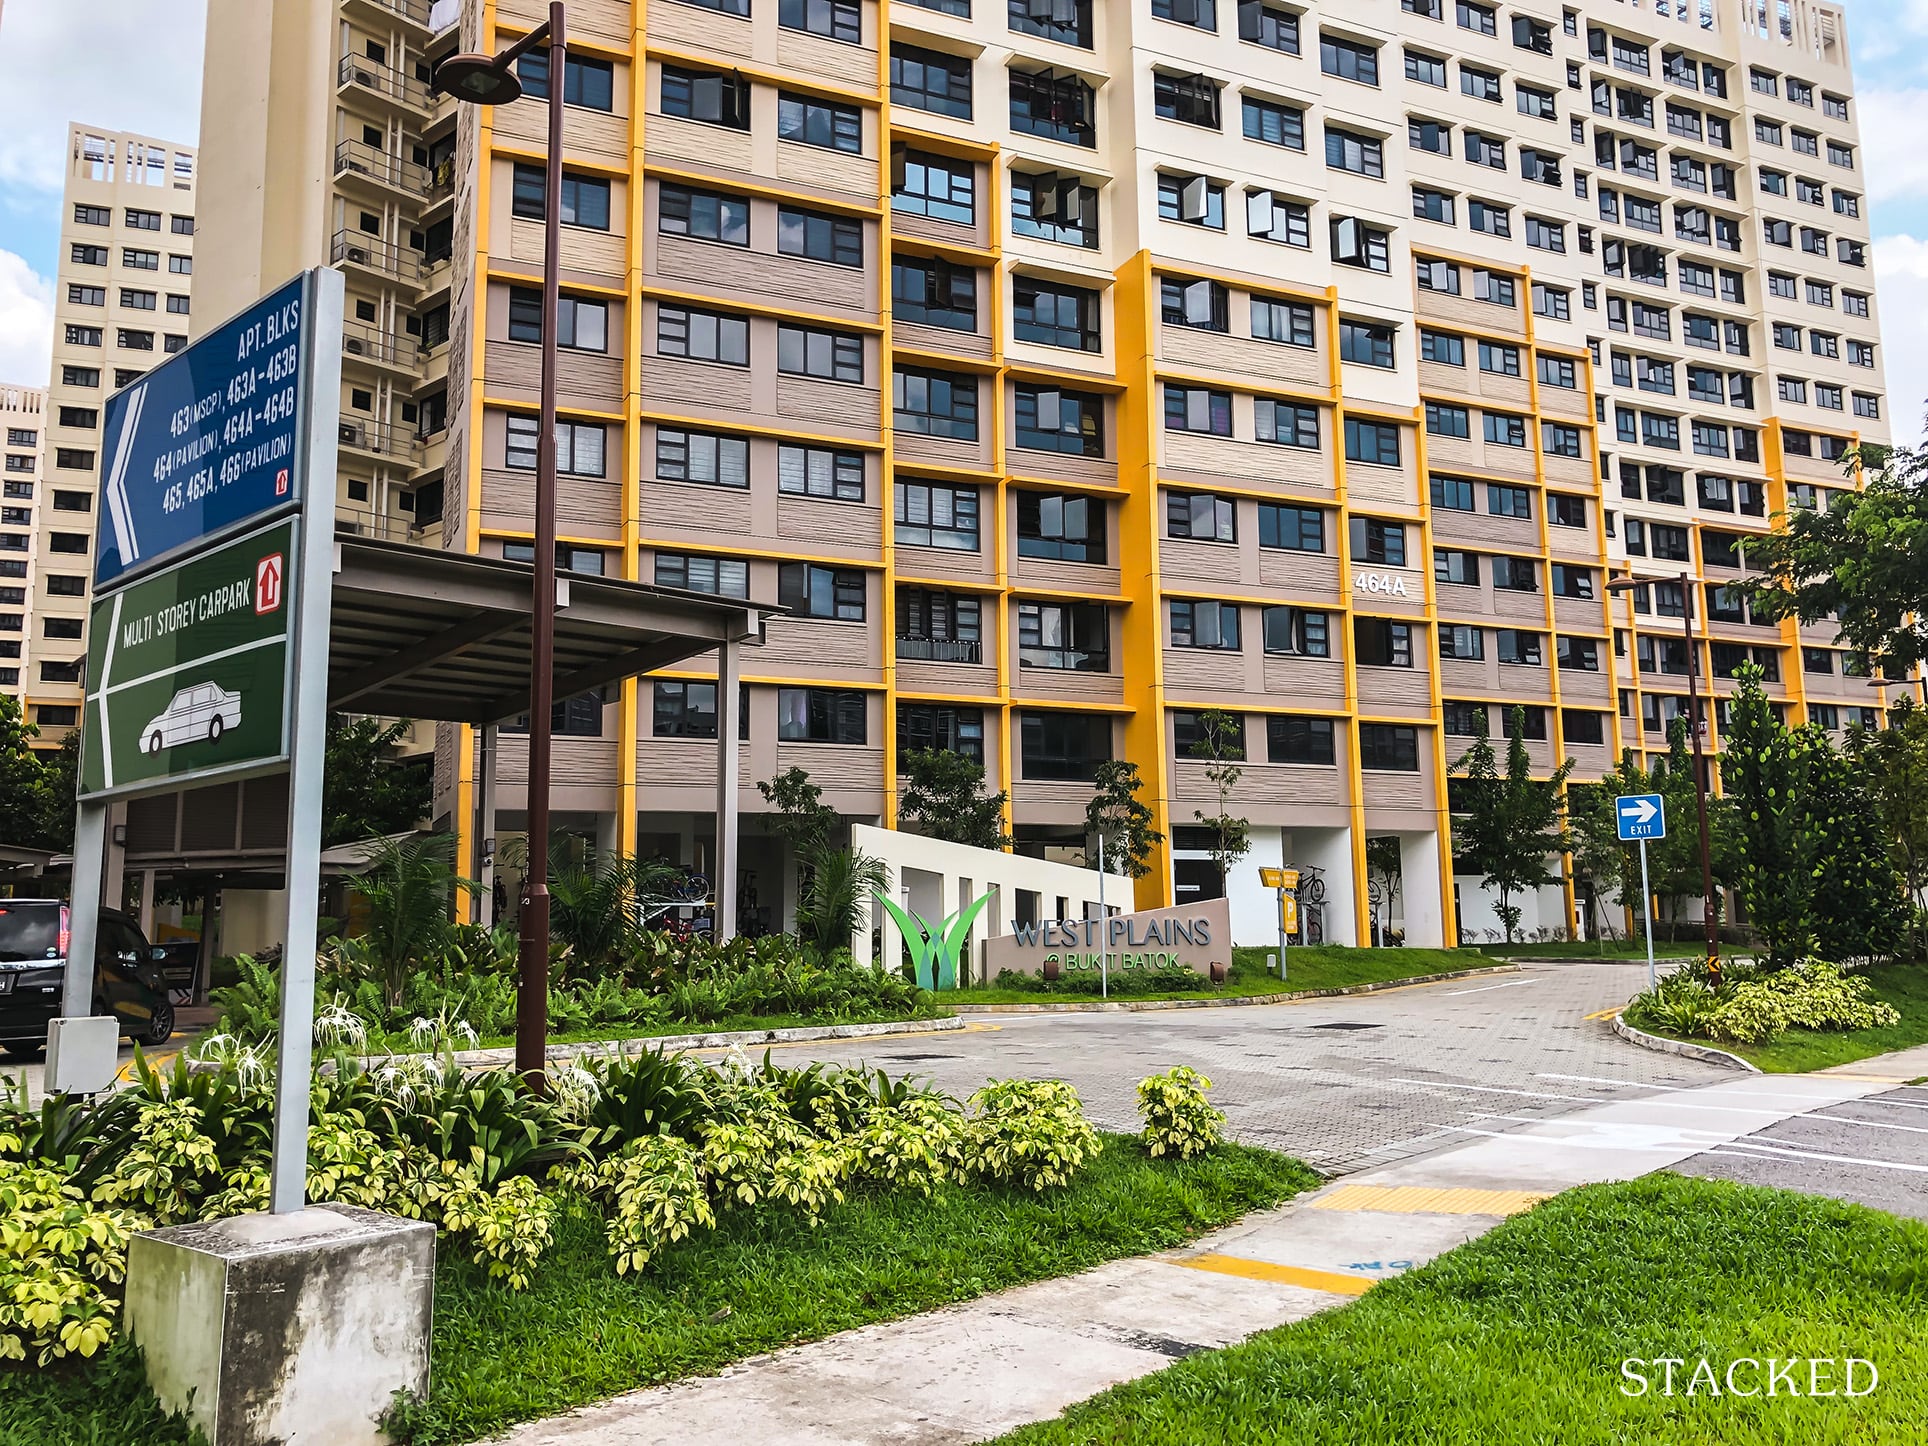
(1341, 1083)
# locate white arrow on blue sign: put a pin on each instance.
(1640, 815)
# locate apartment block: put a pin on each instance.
(23, 428)
(121, 306)
(1069, 371)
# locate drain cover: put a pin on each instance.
(899, 1058)
(1345, 1024)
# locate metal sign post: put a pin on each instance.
(1285, 882)
(1104, 926)
(1639, 817)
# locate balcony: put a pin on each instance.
(414, 13)
(355, 159)
(358, 76)
(364, 343)
(371, 253)
(373, 439)
(940, 650)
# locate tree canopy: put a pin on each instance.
(367, 791)
(1507, 824)
(943, 794)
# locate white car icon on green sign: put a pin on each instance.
(205, 711)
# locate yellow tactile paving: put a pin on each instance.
(1326, 1280)
(1426, 1200)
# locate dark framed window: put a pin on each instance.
(1292, 739)
(1289, 424)
(820, 472)
(1198, 409)
(588, 83)
(1367, 343)
(693, 572)
(1053, 420)
(585, 199)
(931, 514)
(1296, 631)
(1191, 200)
(1066, 21)
(1061, 527)
(708, 457)
(1052, 207)
(1268, 25)
(1272, 122)
(1382, 643)
(1205, 305)
(1287, 322)
(1189, 99)
(1388, 748)
(1374, 443)
(930, 80)
(1378, 542)
(712, 336)
(1518, 648)
(1203, 623)
(1461, 643)
(940, 187)
(578, 717)
(819, 236)
(808, 351)
(1455, 494)
(841, 20)
(1348, 59)
(1073, 637)
(939, 627)
(940, 728)
(937, 404)
(812, 121)
(930, 291)
(1354, 243)
(1056, 107)
(1201, 516)
(683, 710)
(1350, 151)
(581, 325)
(811, 591)
(1295, 529)
(1200, 13)
(822, 715)
(1062, 746)
(1054, 314)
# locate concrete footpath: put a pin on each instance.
(973, 1371)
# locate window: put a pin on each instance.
(1354, 243)
(1349, 60)
(683, 710)
(579, 447)
(181, 225)
(1291, 739)
(1572, 582)
(1461, 643)
(130, 257)
(1205, 625)
(834, 19)
(702, 335)
(587, 83)
(1054, 208)
(1073, 637)
(1430, 135)
(94, 216)
(935, 186)
(1477, 18)
(1061, 528)
(1051, 420)
(86, 417)
(1445, 419)
(933, 292)
(1272, 122)
(1198, 409)
(1201, 304)
(1531, 100)
(1201, 516)
(720, 576)
(1425, 69)
(1442, 347)
(1368, 343)
(1556, 371)
(707, 457)
(828, 355)
(1502, 429)
(819, 237)
(585, 199)
(1066, 21)
(1058, 108)
(1288, 424)
(930, 80)
(1268, 25)
(1054, 314)
(1517, 648)
(1200, 13)
(931, 515)
(1382, 643)
(1484, 150)
(938, 404)
(581, 325)
(1463, 720)
(1388, 748)
(1059, 745)
(1479, 84)
(1350, 151)
(1378, 542)
(143, 220)
(1493, 288)
(1373, 443)
(1545, 235)
(1190, 99)
(1272, 217)
(941, 728)
(1440, 276)
(938, 626)
(1454, 494)
(818, 472)
(811, 121)
(1551, 302)
(1293, 529)
(89, 295)
(1515, 574)
(822, 715)
(1192, 200)
(177, 305)
(821, 592)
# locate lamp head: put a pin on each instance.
(477, 79)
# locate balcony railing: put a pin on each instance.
(374, 345)
(940, 650)
(383, 441)
(415, 12)
(359, 158)
(357, 248)
(383, 80)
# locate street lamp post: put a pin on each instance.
(490, 80)
(1709, 915)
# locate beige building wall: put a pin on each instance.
(1378, 337)
(23, 436)
(121, 305)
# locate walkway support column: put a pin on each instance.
(729, 783)
(489, 745)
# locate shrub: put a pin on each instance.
(1755, 1005)
(914, 1145)
(60, 1262)
(1031, 1133)
(1178, 1119)
(658, 1197)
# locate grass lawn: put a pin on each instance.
(1905, 986)
(1597, 949)
(761, 1281)
(1518, 1338)
(1320, 966)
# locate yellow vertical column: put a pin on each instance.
(1007, 740)
(1355, 777)
(886, 423)
(629, 708)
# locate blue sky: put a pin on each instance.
(135, 65)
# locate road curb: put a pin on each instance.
(1703, 1052)
(1236, 1001)
(721, 1039)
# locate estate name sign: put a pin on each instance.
(1190, 936)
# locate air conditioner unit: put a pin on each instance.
(353, 346)
(348, 434)
(357, 255)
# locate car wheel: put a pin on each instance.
(214, 728)
(23, 1050)
(160, 1025)
(154, 741)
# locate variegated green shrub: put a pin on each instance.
(1178, 1118)
(1031, 1133)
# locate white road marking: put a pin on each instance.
(1602, 1079)
(1714, 1104)
(1510, 984)
(1871, 1124)
(1748, 1147)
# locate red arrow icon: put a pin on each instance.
(267, 584)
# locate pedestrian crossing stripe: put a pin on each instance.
(1426, 1200)
(1330, 1281)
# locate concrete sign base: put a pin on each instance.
(285, 1330)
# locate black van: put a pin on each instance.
(128, 982)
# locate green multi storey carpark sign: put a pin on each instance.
(187, 668)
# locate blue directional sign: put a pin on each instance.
(1640, 815)
(206, 443)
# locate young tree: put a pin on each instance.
(1221, 743)
(367, 791)
(943, 793)
(1766, 772)
(1593, 841)
(1511, 822)
(408, 885)
(1122, 818)
(1863, 562)
(62, 779)
(837, 896)
(1894, 762)
(1860, 911)
(1383, 868)
(23, 779)
(802, 819)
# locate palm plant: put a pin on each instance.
(837, 897)
(408, 886)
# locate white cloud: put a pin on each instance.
(1895, 161)
(122, 64)
(1901, 271)
(26, 322)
